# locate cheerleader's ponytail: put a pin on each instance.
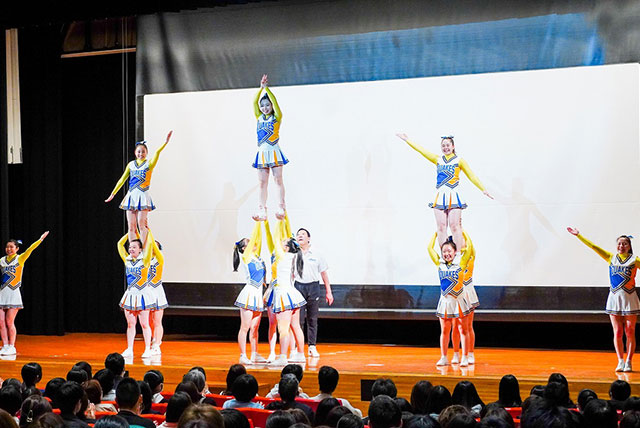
(238, 249)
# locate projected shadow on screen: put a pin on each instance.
(225, 215)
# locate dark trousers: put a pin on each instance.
(309, 313)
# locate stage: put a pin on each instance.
(356, 364)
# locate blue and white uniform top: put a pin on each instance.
(250, 296)
(269, 152)
(451, 277)
(139, 296)
(282, 295)
(138, 197)
(623, 298)
(11, 273)
(268, 130)
(155, 282)
(447, 182)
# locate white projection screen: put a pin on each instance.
(555, 147)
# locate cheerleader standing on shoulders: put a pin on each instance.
(269, 156)
(453, 303)
(138, 299)
(247, 252)
(11, 267)
(623, 305)
(137, 202)
(282, 297)
(448, 203)
(160, 298)
(472, 298)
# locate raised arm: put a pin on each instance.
(432, 157)
(256, 104)
(466, 253)
(468, 239)
(280, 228)
(276, 108)
(24, 256)
(255, 241)
(157, 252)
(602, 253)
(156, 155)
(119, 184)
(267, 230)
(432, 252)
(147, 251)
(464, 166)
(121, 250)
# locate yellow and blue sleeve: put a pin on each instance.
(599, 251)
(24, 256)
(432, 252)
(121, 250)
(122, 180)
(432, 157)
(464, 166)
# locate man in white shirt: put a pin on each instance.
(315, 268)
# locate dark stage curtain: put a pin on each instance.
(4, 168)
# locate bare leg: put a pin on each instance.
(143, 317)
(143, 225)
(245, 324)
(253, 331)
(472, 333)
(297, 330)
(629, 331)
(464, 335)
(455, 225)
(158, 329)
(132, 223)
(10, 317)
(445, 330)
(284, 324)
(277, 177)
(3, 327)
(263, 179)
(455, 335)
(131, 327)
(441, 225)
(273, 337)
(617, 322)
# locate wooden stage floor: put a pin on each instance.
(355, 362)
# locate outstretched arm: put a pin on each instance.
(432, 252)
(156, 155)
(276, 108)
(254, 246)
(464, 166)
(156, 251)
(432, 157)
(602, 253)
(147, 251)
(119, 184)
(468, 239)
(121, 249)
(24, 256)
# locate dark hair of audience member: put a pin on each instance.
(324, 407)
(384, 386)
(155, 379)
(234, 371)
(530, 401)
(280, 419)
(234, 418)
(300, 416)
(201, 416)
(631, 403)
(619, 390)
(197, 378)
(451, 412)
(299, 424)
(31, 374)
(404, 405)
(439, 399)
(599, 413)
(147, 396)
(111, 421)
(176, 405)
(93, 391)
(494, 422)
(200, 369)
(10, 399)
(77, 376)
(32, 390)
(384, 412)
(51, 390)
(335, 414)
(509, 391)
(114, 363)
(350, 421)
(537, 390)
(421, 421)
(191, 390)
(288, 388)
(32, 408)
(557, 394)
(462, 420)
(419, 395)
(274, 405)
(328, 379)
(495, 410)
(405, 417)
(466, 394)
(542, 414)
(294, 369)
(85, 367)
(106, 379)
(68, 397)
(559, 377)
(245, 388)
(84, 405)
(46, 420)
(630, 419)
(584, 396)
(127, 393)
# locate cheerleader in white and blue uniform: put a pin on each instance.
(448, 203)
(269, 156)
(282, 299)
(453, 303)
(137, 202)
(154, 281)
(623, 305)
(138, 299)
(472, 298)
(246, 252)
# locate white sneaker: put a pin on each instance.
(443, 361)
(456, 358)
(313, 352)
(156, 350)
(11, 350)
(620, 366)
(297, 357)
(464, 362)
(271, 358)
(627, 367)
(244, 360)
(257, 358)
(472, 358)
(127, 353)
(148, 353)
(280, 361)
(4, 350)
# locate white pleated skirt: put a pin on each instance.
(137, 200)
(450, 306)
(623, 303)
(250, 298)
(10, 298)
(135, 299)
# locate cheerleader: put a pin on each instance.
(472, 298)
(622, 305)
(269, 156)
(453, 303)
(154, 281)
(138, 299)
(11, 267)
(137, 202)
(448, 203)
(249, 301)
(282, 297)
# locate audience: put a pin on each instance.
(32, 408)
(294, 369)
(419, 395)
(234, 371)
(31, 374)
(509, 392)
(201, 416)
(619, 391)
(327, 383)
(244, 389)
(155, 379)
(176, 406)
(69, 401)
(384, 412)
(234, 419)
(129, 400)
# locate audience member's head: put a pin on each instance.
(32, 408)
(328, 379)
(619, 390)
(422, 421)
(47, 420)
(439, 399)
(234, 371)
(201, 416)
(245, 388)
(10, 399)
(177, 404)
(29, 391)
(335, 414)
(204, 373)
(509, 391)
(12, 381)
(631, 403)
(384, 386)
(155, 379)
(404, 404)
(537, 390)
(77, 376)
(495, 410)
(324, 407)
(419, 395)
(557, 394)
(93, 391)
(106, 379)
(51, 390)
(599, 413)
(384, 412)
(280, 419)
(115, 364)
(147, 396)
(69, 398)
(630, 419)
(128, 396)
(288, 387)
(300, 416)
(294, 369)
(584, 396)
(350, 421)
(542, 414)
(465, 394)
(111, 421)
(197, 378)
(31, 374)
(191, 390)
(85, 367)
(461, 420)
(495, 422)
(447, 415)
(234, 418)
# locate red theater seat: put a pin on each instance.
(258, 416)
